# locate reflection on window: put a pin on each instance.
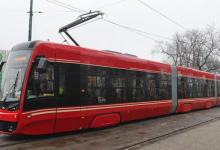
(138, 91)
(118, 94)
(118, 82)
(62, 80)
(190, 90)
(91, 81)
(163, 90)
(40, 84)
(182, 87)
(152, 90)
(210, 90)
(96, 92)
(195, 89)
(218, 89)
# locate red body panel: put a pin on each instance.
(105, 120)
(186, 108)
(9, 116)
(41, 121)
(93, 111)
(67, 119)
(208, 104)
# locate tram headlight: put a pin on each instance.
(14, 107)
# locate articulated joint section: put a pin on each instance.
(174, 89)
(216, 91)
(8, 126)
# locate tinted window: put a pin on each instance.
(41, 84)
(62, 80)
(138, 90)
(118, 91)
(96, 91)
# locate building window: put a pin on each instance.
(96, 92)
(138, 90)
(118, 94)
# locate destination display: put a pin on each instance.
(22, 58)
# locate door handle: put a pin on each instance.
(29, 116)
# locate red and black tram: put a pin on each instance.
(49, 88)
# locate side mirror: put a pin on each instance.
(42, 65)
(1, 64)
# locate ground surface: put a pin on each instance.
(194, 130)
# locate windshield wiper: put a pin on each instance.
(13, 86)
(16, 81)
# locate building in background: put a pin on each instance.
(3, 57)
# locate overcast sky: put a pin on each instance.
(100, 35)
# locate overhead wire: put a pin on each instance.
(50, 17)
(110, 4)
(163, 15)
(69, 6)
(121, 25)
(13, 10)
(58, 11)
(125, 27)
(63, 6)
(137, 30)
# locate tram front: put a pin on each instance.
(20, 61)
(11, 88)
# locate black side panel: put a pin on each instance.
(72, 97)
(41, 103)
(7, 126)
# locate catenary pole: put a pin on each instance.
(30, 21)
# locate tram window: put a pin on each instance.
(195, 89)
(210, 90)
(152, 90)
(96, 92)
(118, 82)
(118, 94)
(200, 94)
(190, 90)
(100, 81)
(62, 80)
(138, 83)
(213, 89)
(91, 81)
(40, 84)
(138, 91)
(218, 89)
(181, 87)
(204, 88)
(163, 90)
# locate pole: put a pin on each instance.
(30, 20)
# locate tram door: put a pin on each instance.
(39, 107)
(68, 107)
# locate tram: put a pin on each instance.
(50, 88)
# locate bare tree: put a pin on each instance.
(195, 49)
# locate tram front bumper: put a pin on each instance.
(8, 121)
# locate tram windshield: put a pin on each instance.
(13, 75)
